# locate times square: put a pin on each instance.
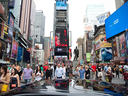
(63, 47)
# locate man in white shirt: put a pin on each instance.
(125, 67)
(59, 72)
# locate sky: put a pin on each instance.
(76, 13)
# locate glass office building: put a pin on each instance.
(92, 11)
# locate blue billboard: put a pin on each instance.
(19, 53)
(126, 38)
(106, 53)
(61, 4)
(117, 22)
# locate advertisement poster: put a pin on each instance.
(118, 46)
(11, 24)
(2, 49)
(126, 37)
(101, 18)
(19, 54)
(123, 53)
(11, 3)
(61, 4)
(106, 53)
(61, 39)
(122, 42)
(38, 46)
(14, 49)
(88, 57)
(103, 41)
(70, 54)
(97, 43)
(97, 53)
(88, 27)
(114, 48)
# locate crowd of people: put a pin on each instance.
(98, 72)
(12, 75)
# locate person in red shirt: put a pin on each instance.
(125, 77)
(93, 70)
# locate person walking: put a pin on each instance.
(99, 72)
(13, 66)
(64, 69)
(4, 79)
(10, 66)
(117, 71)
(125, 75)
(19, 72)
(22, 68)
(93, 71)
(82, 73)
(87, 72)
(76, 73)
(14, 79)
(105, 70)
(109, 75)
(38, 74)
(49, 73)
(28, 72)
(59, 72)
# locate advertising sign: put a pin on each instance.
(113, 24)
(114, 48)
(14, 49)
(61, 39)
(2, 9)
(11, 24)
(97, 43)
(122, 42)
(9, 46)
(88, 57)
(38, 46)
(101, 18)
(118, 46)
(19, 54)
(103, 41)
(11, 3)
(126, 38)
(88, 26)
(2, 48)
(61, 4)
(1, 28)
(70, 54)
(106, 53)
(97, 53)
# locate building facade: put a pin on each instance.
(39, 28)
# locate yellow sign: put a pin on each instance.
(105, 44)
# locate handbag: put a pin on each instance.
(4, 88)
(107, 79)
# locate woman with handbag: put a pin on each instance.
(4, 80)
(109, 74)
(14, 79)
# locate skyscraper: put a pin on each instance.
(39, 27)
(24, 17)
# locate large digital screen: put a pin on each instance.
(14, 49)
(11, 24)
(61, 4)
(19, 54)
(61, 39)
(117, 22)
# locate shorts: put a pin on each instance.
(100, 74)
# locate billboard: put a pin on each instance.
(9, 46)
(122, 42)
(106, 54)
(2, 48)
(14, 49)
(61, 4)
(114, 48)
(113, 24)
(88, 57)
(126, 38)
(70, 54)
(97, 43)
(38, 46)
(101, 18)
(11, 24)
(61, 39)
(11, 3)
(88, 27)
(19, 54)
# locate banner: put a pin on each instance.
(88, 57)
(126, 38)
(97, 43)
(114, 48)
(14, 49)
(122, 42)
(19, 54)
(106, 54)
